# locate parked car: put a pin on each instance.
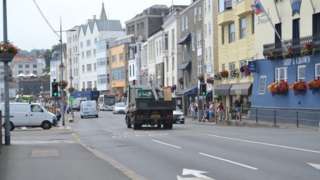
(106, 107)
(30, 115)
(120, 108)
(88, 109)
(178, 116)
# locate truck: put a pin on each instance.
(149, 106)
(107, 102)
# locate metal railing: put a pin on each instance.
(277, 116)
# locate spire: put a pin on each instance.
(103, 15)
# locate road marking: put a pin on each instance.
(166, 144)
(316, 166)
(198, 175)
(266, 144)
(228, 161)
(35, 142)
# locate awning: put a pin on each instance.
(188, 92)
(241, 89)
(222, 90)
(184, 66)
(186, 39)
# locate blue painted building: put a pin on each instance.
(306, 104)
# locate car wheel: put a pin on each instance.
(81, 117)
(97, 116)
(46, 125)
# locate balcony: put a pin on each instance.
(295, 48)
(225, 17)
(243, 7)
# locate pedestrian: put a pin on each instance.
(237, 106)
(211, 111)
(192, 110)
(196, 110)
(221, 111)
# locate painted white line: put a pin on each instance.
(228, 161)
(166, 144)
(316, 166)
(266, 144)
(35, 142)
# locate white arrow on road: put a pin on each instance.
(198, 175)
(316, 166)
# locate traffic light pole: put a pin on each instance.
(62, 104)
(7, 138)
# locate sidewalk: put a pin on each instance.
(54, 160)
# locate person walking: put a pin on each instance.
(221, 111)
(192, 110)
(211, 111)
(237, 105)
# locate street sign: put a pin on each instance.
(252, 65)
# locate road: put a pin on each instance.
(198, 151)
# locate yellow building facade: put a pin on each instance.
(236, 47)
(118, 66)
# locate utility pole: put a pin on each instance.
(7, 138)
(62, 104)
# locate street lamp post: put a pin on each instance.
(6, 79)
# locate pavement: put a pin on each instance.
(36, 154)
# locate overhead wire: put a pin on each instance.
(45, 18)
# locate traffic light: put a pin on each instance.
(55, 89)
(203, 89)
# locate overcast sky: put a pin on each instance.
(28, 30)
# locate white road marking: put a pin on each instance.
(35, 142)
(316, 166)
(166, 144)
(228, 161)
(266, 144)
(198, 175)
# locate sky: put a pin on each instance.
(28, 30)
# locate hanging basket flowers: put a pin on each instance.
(281, 87)
(63, 84)
(201, 78)
(245, 70)
(224, 74)
(300, 86)
(308, 48)
(314, 84)
(173, 88)
(71, 89)
(7, 52)
(217, 76)
(289, 53)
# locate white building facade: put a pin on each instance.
(91, 47)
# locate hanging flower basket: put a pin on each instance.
(224, 74)
(63, 84)
(289, 53)
(300, 86)
(201, 78)
(308, 48)
(7, 52)
(281, 87)
(180, 81)
(314, 84)
(234, 74)
(210, 80)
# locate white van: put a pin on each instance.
(88, 109)
(29, 115)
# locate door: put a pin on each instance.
(37, 115)
(19, 114)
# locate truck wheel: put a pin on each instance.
(136, 126)
(159, 125)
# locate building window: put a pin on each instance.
(88, 53)
(20, 72)
(89, 67)
(296, 32)
(222, 34)
(167, 65)
(94, 52)
(81, 44)
(35, 72)
(317, 71)
(277, 41)
(83, 85)
(262, 84)
(252, 23)
(301, 74)
(83, 68)
(173, 63)
(281, 74)
(82, 55)
(232, 66)
(89, 84)
(94, 67)
(186, 22)
(35, 66)
(316, 26)
(114, 58)
(232, 33)
(199, 13)
(27, 66)
(195, 15)
(173, 39)
(243, 27)
(88, 42)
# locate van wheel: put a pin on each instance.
(46, 125)
(128, 122)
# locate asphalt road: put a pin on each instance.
(198, 151)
